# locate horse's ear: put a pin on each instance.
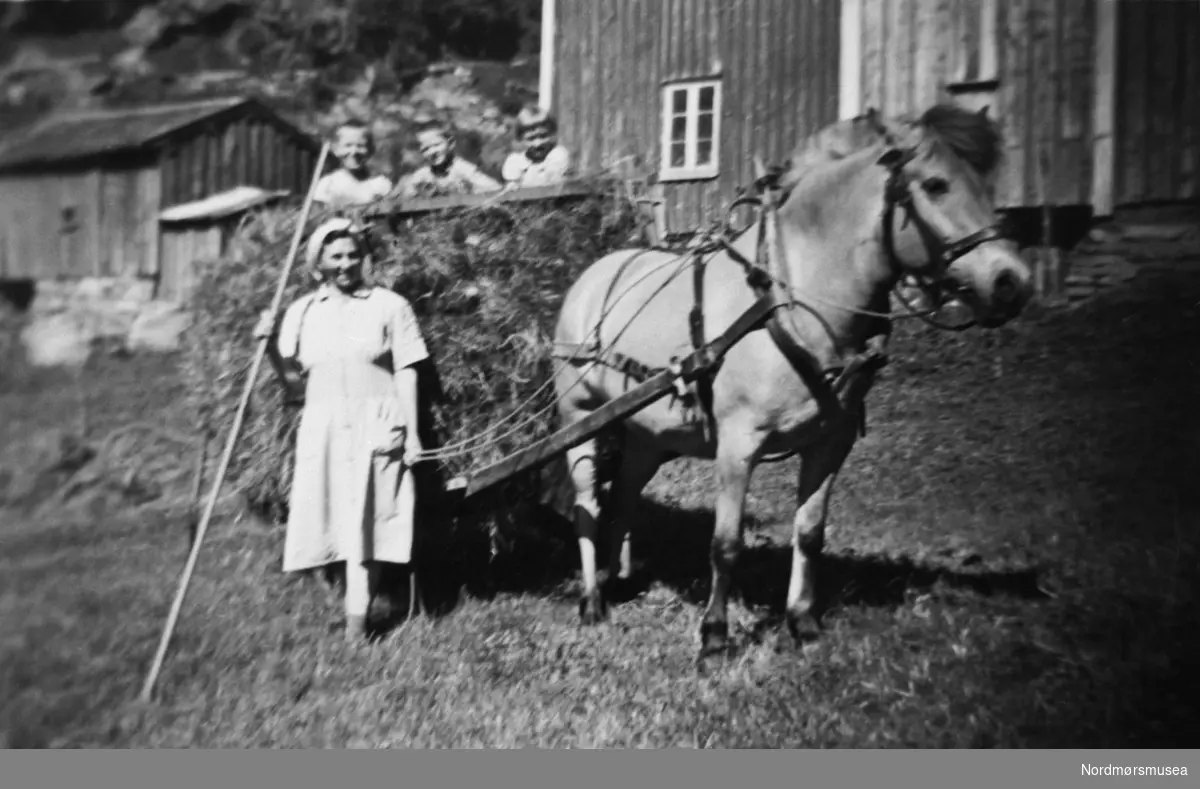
(760, 169)
(892, 158)
(983, 113)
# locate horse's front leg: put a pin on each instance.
(819, 468)
(737, 452)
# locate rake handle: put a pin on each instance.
(231, 442)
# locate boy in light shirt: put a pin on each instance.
(352, 184)
(543, 161)
(444, 172)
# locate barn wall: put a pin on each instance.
(41, 242)
(777, 59)
(1039, 51)
(129, 223)
(182, 246)
(1157, 102)
(247, 151)
(76, 224)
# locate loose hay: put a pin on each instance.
(486, 285)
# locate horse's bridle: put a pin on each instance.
(899, 193)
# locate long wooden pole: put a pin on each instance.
(173, 616)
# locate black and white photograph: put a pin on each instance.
(602, 374)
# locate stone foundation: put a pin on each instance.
(100, 294)
(69, 317)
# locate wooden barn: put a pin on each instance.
(1099, 99)
(81, 194)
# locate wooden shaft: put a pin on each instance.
(230, 443)
(656, 387)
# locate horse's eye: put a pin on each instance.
(935, 186)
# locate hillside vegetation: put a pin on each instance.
(317, 61)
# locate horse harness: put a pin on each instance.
(830, 385)
(899, 194)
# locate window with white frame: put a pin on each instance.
(691, 130)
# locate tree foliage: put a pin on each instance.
(280, 34)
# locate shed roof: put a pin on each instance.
(221, 206)
(71, 136)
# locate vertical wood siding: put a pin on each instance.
(115, 230)
(778, 64)
(112, 230)
(185, 246)
(1041, 51)
(1157, 101)
(246, 151)
(129, 223)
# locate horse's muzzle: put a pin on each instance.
(995, 283)
(1009, 291)
(1006, 288)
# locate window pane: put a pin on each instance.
(704, 153)
(677, 154)
(706, 98)
(679, 101)
(705, 126)
(678, 128)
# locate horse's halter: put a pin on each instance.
(901, 191)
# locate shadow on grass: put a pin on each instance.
(543, 560)
(1095, 426)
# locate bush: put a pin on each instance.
(486, 285)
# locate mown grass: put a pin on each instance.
(1012, 558)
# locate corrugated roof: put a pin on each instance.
(76, 135)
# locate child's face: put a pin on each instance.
(538, 142)
(353, 148)
(435, 147)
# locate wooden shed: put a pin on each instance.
(200, 231)
(1105, 92)
(81, 193)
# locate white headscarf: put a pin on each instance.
(316, 242)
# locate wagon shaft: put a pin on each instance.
(692, 366)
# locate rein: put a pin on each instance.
(899, 193)
(776, 296)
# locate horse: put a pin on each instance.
(863, 203)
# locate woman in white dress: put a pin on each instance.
(352, 494)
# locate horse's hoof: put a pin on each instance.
(619, 590)
(592, 611)
(714, 639)
(803, 628)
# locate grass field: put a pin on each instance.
(1012, 563)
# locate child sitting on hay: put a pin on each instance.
(543, 161)
(352, 183)
(352, 495)
(444, 173)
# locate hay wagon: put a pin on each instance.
(655, 383)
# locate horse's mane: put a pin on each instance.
(972, 136)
